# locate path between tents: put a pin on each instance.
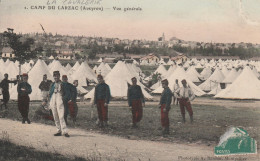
(88, 144)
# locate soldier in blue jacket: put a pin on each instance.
(24, 89)
(67, 96)
(165, 106)
(4, 84)
(135, 101)
(101, 100)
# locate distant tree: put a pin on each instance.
(92, 54)
(22, 49)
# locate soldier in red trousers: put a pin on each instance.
(101, 100)
(135, 101)
(185, 95)
(165, 106)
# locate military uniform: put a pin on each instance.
(5, 90)
(45, 87)
(165, 102)
(185, 95)
(57, 107)
(102, 96)
(24, 99)
(135, 99)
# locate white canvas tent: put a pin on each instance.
(212, 81)
(160, 70)
(193, 75)
(118, 80)
(180, 74)
(246, 86)
(35, 78)
(83, 72)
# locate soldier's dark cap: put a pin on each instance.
(134, 78)
(56, 73)
(165, 81)
(45, 75)
(25, 75)
(64, 76)
(183, 81)
(100, 76)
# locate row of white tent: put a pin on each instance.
(231, 80)
(118, 79)
(78, 72)
(120, 76)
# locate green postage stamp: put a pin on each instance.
(234, 142)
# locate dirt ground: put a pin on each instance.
(87, 140)
(84, 144)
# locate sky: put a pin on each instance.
(225, 21)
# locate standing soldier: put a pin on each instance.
(45, 87)
(67, 96)
(176, 86)
(185, 95)
(165, 105)
(73, 105)
(135, 101)
(56, 104)
(5, 89)
(101, 100)
(24, 89)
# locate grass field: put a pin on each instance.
(210, 122)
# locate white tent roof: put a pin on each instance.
(225, 71)
(161, 70)
(170, 62)
(206, 73)
(192, 74)
(83, 72)
(169, 71)
(95, 68)
(231, 76)
(74, 68)
(68, 67)
(212, 81)
(11, 70)
(118, 80)
(35, 78)
(180, 74)
(56, 66)
(108, 67)
(102, 69)
(246, 86)
(100, 60)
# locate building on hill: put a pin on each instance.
(180, 59)
(7, 52)
(150, 58)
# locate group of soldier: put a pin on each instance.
(59, 97)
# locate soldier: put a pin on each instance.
(56, 105)
(67, 96)
(101, 100)
(185, 95)
(135, 101)
(175, 87)
(5, 89)
(45, 87)
(165, 106)
(73, 104)
(24, 89)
